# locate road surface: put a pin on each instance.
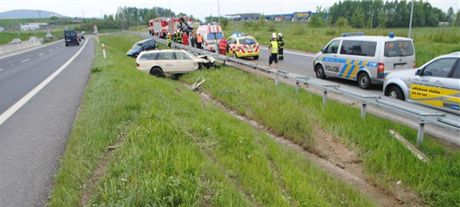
(34, 134)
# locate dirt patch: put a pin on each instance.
(99, 172)
(335, 158)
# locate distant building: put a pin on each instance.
(296, 16)
(33, 26)
(2, 29)
(443, 24)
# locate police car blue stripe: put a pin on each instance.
(343, 69)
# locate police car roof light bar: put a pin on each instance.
(349, 34)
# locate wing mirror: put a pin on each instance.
(418, 72)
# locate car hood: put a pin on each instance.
(132, 52)
(404, 75)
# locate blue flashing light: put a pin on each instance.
(391, 34)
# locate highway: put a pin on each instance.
(40, 92)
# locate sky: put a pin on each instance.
(197, 8)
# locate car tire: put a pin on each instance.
(319, 71)
(156, 71)
(256, 57)
(395, 92)
(364, 81)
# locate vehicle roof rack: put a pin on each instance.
(350, 34)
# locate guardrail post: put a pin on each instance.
(324, 97)
(297, 86)
(421, 128)
(363, 109)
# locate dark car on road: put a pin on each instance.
(71, 38)
(147, 44)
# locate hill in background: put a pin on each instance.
(27, 14)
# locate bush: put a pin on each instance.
(316, 21)
(342, 22)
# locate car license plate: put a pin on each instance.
(398, 66)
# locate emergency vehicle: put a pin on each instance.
(242, 45)
(159, 27)
(365, 59)
(211, 34)
(436, 83)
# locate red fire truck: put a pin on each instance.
(159, 27)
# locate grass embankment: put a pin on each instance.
(7, 37)
(176, 149)
(429, 42)
(295, 116)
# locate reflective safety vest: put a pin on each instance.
(199, 39)
(274, 47)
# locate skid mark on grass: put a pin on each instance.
(381, 196)
(101, 168)
(209, 155)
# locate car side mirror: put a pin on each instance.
(418, 72)
(322, 50)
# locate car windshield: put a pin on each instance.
(70, 34)
(247, 41)
(399, 49)
(212, 36)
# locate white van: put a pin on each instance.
(366, 59)
(211, 34)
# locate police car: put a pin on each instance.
(436, 83)
(365, 59)
(242, 45)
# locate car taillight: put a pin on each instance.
(381, 70)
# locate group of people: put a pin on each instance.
(276, 48)
(185, 38)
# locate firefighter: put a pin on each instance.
(280, 46)
(169, 40)
(199, 41)
(222, 46)
(273, 47)
(179, 37)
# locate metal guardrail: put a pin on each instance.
(396, 106)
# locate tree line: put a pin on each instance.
(377, 13)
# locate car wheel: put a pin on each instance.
(156, 71)
(256, 57)
(364, 81)
(319, 71)
(395, 92)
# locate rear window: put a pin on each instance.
(399, 49)
(70, 34)
(360, 48)
(247, 41)
(212, 36)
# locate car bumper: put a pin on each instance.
(248, 54)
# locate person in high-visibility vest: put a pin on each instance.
(169, 40)
(273, 47)
(222, 46)
(199, 41)
(280, 46)
(179, 37)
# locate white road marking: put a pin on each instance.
(25, 60)
(41, 54)
(10, 111)
(30, 49)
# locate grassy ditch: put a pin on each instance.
(294, 116)
(429, 42)
(173, 148)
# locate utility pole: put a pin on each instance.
(410, 21)
(218, 10)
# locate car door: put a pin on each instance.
(184, 62)
(435, 85)
(166, 60)
(330, 60)
(355, 55)
(232, 44)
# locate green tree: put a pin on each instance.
(358, 19)
(342, 22)
(457, 20)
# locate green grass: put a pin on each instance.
(7, 37)
(179, 150)
(429, 42)
(293, 115)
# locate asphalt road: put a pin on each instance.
(33, 138)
